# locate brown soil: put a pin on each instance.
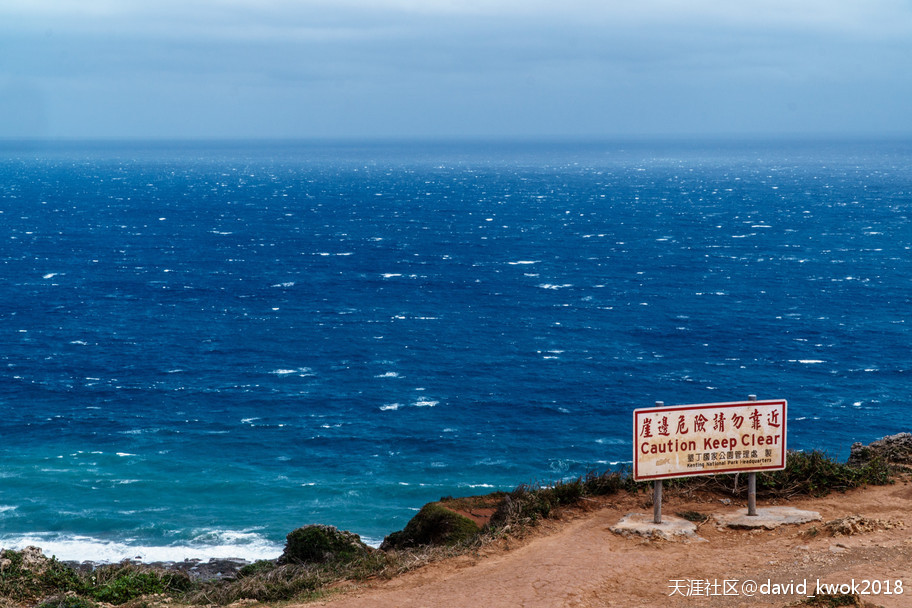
(578, 562)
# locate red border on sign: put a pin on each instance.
(699, 406)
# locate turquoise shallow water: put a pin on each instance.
(208, 345)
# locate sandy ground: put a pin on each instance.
(578, 562)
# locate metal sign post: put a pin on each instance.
(752, 483)
(657, 490)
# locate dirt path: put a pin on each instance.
(578, 562)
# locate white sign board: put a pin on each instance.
(708, 438)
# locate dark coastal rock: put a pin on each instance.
(895, 449)
(433, 525)
(322, 544)
(214, 569)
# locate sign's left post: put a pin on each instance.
(657, 490)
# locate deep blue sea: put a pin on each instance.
(207, 345)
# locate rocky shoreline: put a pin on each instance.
(895, 449)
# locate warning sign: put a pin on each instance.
(708, 438)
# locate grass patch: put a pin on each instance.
(67, 601)
(528, 504)
(26, 578)
(694, 516)
(281, 583)
(261, 566)
(120, 583)
(312, 581)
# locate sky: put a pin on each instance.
(372, 69)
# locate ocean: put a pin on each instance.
(208, 345)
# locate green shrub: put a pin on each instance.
(564, 493)
(433, 525)
(816, 474)
(805, 474)
(604, 484)
(322, 544)
(524, 505)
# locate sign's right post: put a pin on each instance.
(752, 483)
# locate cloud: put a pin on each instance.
(231, 17)
(493, 66)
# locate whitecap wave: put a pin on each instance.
(301, 371)
(554, 286)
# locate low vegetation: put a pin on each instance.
(318, 544)
(806, 474)
(318, 558)
(433, 525)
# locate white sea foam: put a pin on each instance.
(523, 262)
(426, 403)
(388, 375)
(390, 407)
(206, 545)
